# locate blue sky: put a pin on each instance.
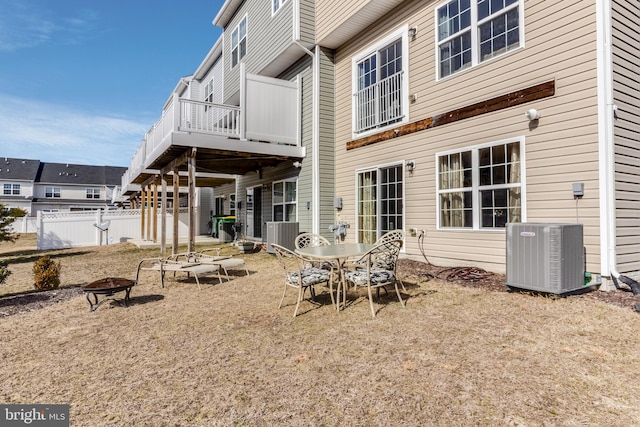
(81, 81)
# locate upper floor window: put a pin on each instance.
(239, 42)
(380, 84)
(208, 91)
(472, 31)
(285, 201)
(277, 4)
(93, 193)
(52, 192)
(481, 187)
(11, 190)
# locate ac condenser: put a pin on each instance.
(545, 257)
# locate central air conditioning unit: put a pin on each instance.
(283, 234)
(545, 257)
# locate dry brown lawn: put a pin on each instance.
(225, 355)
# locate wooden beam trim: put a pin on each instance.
(532, 93)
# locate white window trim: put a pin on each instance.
(93, 193)
(12, 188)
(234, 209)
(53, 192)
(246, 36)
(402, 163)
(284, 202)
(400, 32)
(280, 4)
(475, 185)
(475, 45)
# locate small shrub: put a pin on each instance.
(46, 273)
(4, 271)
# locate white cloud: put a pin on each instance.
(55, 133)
(24, 25)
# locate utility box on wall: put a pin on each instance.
(545, 257)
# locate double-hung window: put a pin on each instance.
(380, 84)
(481, 187)
(208, 91)
(93, 193)
(52, 192)
(239, 42)
(285, 201)
(380, 201)
(470, 32)
(11, 189)
(277, 4)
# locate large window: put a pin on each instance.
(480, 187)
(277, 4)
(11, 189)
(285, 201)
(380, 202)
(239, 42)
(380, 84)
(52, 192)
(472, 31)
(93, 193)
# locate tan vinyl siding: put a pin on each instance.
(327, 142)
(560, 150)
(626, 86)
(267, 36)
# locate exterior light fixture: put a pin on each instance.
(532, 114)
(413, 31)
(297, 164)
(411, 165)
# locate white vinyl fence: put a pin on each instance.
(58, 230)
(25, 224)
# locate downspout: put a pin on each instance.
(315, 138)
(606, 117)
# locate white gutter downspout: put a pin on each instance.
(606, 142)
(315, 167)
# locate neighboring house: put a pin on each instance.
(41, 186)
(452, 117)
(17, 179)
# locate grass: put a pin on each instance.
(226, 355)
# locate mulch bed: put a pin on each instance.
(479, 278)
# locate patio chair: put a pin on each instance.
(182, 262)
(306, 240)
(378, 271)
(225, 262)
(397, 235)
(298, 274)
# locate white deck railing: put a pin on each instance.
(269, 112)
(379, 104)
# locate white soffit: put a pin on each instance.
(359, 21)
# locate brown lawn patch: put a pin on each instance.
(225, 355)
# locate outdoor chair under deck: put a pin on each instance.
(378, 269)
(176, 263)
(300, 275)
(226, 262)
